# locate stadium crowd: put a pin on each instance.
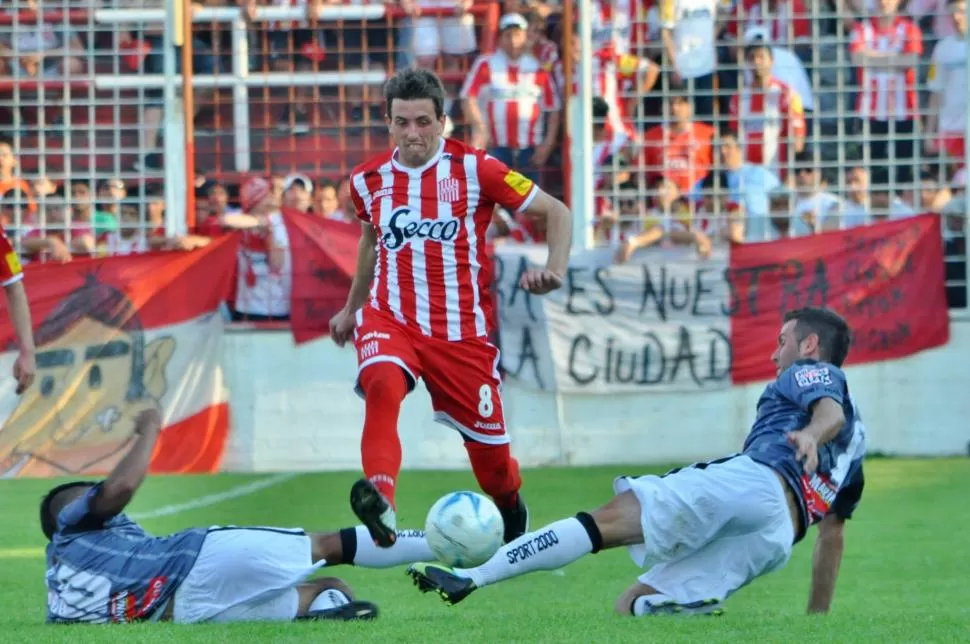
(714, 121)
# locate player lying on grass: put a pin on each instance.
(103, 567)
(704, 531)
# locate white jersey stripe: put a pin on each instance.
(474, 187)
(419, 269)
(387, 207)
(448, 259)
(360, 185)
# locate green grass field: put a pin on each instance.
(904, 577)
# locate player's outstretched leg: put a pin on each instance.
(384, 385)
(354, 547)
(615, 524)
(497, 473)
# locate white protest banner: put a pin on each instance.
(659, 324)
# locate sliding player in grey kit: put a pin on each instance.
(704, 531)
(102, 567)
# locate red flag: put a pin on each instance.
(887, 280)
(117, 336)
(324, 256)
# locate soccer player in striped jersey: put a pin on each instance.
(704, 531)
(419, 305)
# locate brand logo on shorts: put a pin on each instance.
(406, 225)
(811, 376)
(375, 335)
(369, 350)
(493, 427)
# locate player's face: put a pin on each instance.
(790, 349)
(416, 130)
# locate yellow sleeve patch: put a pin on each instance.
(520, 184)
(13, 263)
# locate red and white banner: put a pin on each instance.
(673, 323)
(116, 336)
(324, 258)
(887, 280)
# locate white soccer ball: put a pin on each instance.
(464, 529)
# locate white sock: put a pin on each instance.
(410, 547)
(643, 605)
(330, 598)
(548, 548)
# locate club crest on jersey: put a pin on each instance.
(811, 376)
(405, 225)
(520, 184)
(448, 190)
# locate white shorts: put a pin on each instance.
(454, 36)
(246, 574)
(710, 528)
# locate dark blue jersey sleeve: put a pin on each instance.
(847, 500)
(805, 383)
(77, 515)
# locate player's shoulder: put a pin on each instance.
(808, 372)
(458, 151)
(372, 164)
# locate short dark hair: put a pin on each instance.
(413, 85)
(53, 502)
(834, 335)
(601, 109)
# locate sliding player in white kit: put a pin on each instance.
(102, 567)
(704, 531)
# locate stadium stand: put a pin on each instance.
(719, 122)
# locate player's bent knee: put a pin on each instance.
(384, 381)
(619, 521)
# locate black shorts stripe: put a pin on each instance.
(702, 465)
(298, 532)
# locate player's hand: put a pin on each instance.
(342, 327)
(24, 370)
(806, 450)
(540, 281)
(148, 421)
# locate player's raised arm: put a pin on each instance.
(559, 230)
(518, 193)
(12, 278)
(120, 486)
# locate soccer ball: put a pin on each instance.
(464, 529)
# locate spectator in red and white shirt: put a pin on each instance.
(518, 93)
(767, 114)
(886, 50)
(543, 49)
(621, 80)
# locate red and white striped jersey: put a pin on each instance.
(432, 270)
(767, 119)
(887, 95)
(516, 93)
(615, 77)
(547, 53)
(789, 22)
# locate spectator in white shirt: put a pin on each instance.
(816, 208)
(690, 45)
(946, 117)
